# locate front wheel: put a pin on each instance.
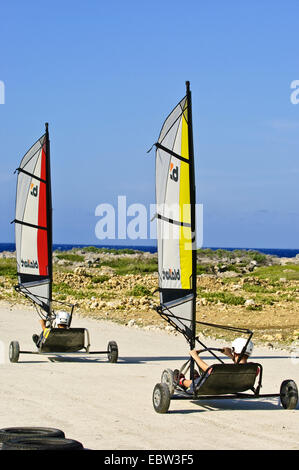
(289, 394)
(14, 351)
(161, 398)
(112, 351)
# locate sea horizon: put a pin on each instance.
(279, 252)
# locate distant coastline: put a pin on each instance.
(280, 252)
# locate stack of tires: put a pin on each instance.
(36, 438)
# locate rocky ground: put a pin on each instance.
(242, 289)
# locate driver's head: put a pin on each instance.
(62, 319)
(238, 346)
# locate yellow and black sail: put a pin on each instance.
(175, 212)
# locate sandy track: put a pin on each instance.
(109, 406)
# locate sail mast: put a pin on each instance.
(192, 208)
(49, 216)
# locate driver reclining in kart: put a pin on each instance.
(233, 353)
(62, 320)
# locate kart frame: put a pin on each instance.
(111, 351)
(170, 389)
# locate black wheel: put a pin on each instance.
(161, 398)
(24, 432)
(14, 351)
(112, 351)
(42, 443)
(289, 394)
(167, 378)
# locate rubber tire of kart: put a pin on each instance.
(167, 378)
(112, 352)
(288, 394)
(42, 443)
(161, 398)
(14, 351)
(7, 434)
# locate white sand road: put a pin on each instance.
(109, 406)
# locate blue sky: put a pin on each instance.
(106, 74)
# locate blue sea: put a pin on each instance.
(280, 252)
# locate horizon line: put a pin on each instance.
(155, 246)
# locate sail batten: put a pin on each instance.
(171, 221)
(175, 200)
(179, 157)
(33, 225)
(29, 225)
(30, 174)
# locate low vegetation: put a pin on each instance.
(222, 297)
(123, 266)
(8, 268)
(120, 251)
(139, 291)
(238, 288)
(289, 272)
(70, 257)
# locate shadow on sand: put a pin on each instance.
(255, 404)
(121, 360)
(133, 359)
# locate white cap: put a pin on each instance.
(238, 346)
(62, 318)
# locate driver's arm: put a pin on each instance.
(202, 364)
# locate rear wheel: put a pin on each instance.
(14, 351)
(167, 378)
(289, 394)
(161, 398)
(112, 351)
(42, 443)
(24, 432)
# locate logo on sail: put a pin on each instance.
(174, 172)
(34, 190)
(29, 264)
(171, 274)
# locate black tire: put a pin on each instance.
(161, 398)
(112, 351)
(7, 434)
(14, 351)
(288, 394)
(42, 443)
(167, 378)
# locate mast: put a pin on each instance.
(192, 208)
(49, 215)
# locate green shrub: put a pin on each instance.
(128, 266)
(100, 279)
(254, 307)
(201, 269)
(254, 288)
(139, 291)
(224, 297)
(266, 300)
(8, 268)
(275, 272)
(71, 257)
(260, 258)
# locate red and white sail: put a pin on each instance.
(33, 225)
